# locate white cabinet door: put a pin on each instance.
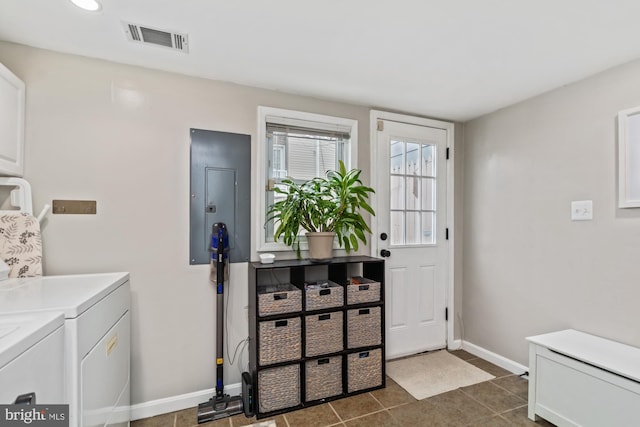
(12, 99)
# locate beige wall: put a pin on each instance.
(528, 269)
(120, 135)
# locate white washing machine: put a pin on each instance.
(32, 358)
(97, 339)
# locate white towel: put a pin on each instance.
(21, 244)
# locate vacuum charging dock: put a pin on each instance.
(225, 406)
(219, 407)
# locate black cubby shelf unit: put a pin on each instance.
(315, 335)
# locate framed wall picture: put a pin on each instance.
(629, 158)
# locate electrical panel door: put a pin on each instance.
(220, 192)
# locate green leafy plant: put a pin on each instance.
(324, 204)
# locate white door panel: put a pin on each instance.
(396, 285)
(427, 295)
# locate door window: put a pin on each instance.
(412, 197)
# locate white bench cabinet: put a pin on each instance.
(577, 379)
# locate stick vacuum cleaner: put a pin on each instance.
(221, 405)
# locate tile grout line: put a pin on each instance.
(359, 416)
(364, 415)
(513, 409)
(388, 408)
(492, 410)
(374, 398)
(477, 401)
(335, 412)
(286, 421)
(402, 404)
(507, 390)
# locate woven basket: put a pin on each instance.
(323, 378)
(279, 340)
(365, 291)
(323, 297)
(364, 370)
(279, 299)
(323, 333)
(278, 388)
(364, 327)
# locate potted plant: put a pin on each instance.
(325, 207)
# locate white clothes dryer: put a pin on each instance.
(97, 339)
(32, 358)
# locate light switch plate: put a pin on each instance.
(582, 210)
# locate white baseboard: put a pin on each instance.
(454, 345)
(494, 358)
(178, 403)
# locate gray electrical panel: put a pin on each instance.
(220, 192)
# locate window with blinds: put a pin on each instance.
(300, 146)
(303, 153)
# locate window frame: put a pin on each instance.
(283, 116)
(628, 145)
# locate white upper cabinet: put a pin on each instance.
(12, 99)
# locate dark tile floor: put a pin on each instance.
(495, 403)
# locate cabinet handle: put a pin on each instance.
(26, 399)
(364, 311)
(363, 355)
(325, 291)
(363, 287)
(323, 361)
(277, 297)
(281, 323)
(324, 317)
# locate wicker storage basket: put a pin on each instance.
(324, 294)
(364, 327)
(323, 333)
(279, 299)
(366, 290)
(278, 388)
(279, 340)
(364, 370)
(323, 378)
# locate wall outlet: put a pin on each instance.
(582, 210)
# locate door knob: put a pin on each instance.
(385, 253)
(383, 236)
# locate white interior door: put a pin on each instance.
(411, 233)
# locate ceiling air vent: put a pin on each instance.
(147, 35)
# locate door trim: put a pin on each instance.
(376, 115)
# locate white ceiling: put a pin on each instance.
(449, 59)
